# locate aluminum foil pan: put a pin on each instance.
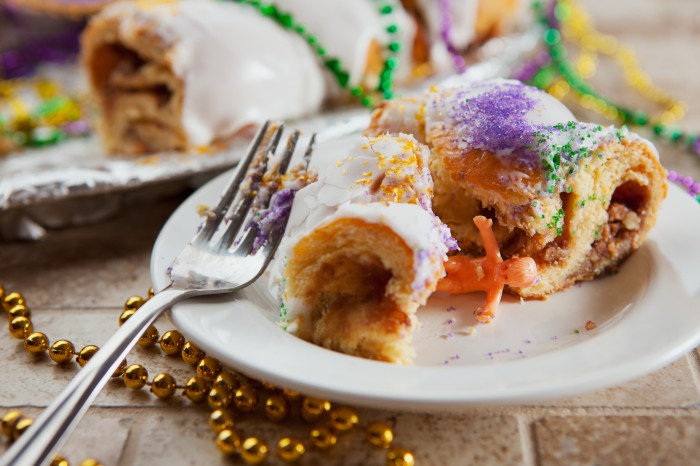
(78, 169)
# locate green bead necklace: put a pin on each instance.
(385, 87)
(560, 66)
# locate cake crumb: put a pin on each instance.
(203, 210)
(590, 325)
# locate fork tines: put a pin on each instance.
(251, 189)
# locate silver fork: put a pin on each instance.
(224, 256)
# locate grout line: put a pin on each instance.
(527, 440)
(694, 365)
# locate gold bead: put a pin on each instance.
(90, 462)
(21, 425)
(276, 408)
(2, 290)
(291, 395)
(135, 376)
(228, 380)
(19, 310)
(59, 461)
(191, 354)
(61, 351)
(196, 389)
(9, 420)
(379, 434)
(228, 441)
(151, 293)
(313, 408)
(221, 419)
(172, 342)
(343, 418)
(12, 299)
(20, 327)
(133, 303)
(290, 449)
(268, 386)
(253, 450)
(219, 397)
(208, 368)
(245, 398)
(149, 338)
(36, 343)
(322, 437)
(119, 371)
(400, 457)
(124, 316)
(85, 354)
(163, 386)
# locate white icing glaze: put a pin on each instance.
(462, 16)
(238, 67)
(439, 103)
(347, 28)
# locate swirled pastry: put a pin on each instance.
(576, 197)
(363, 250)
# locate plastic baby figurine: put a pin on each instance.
(489, 273)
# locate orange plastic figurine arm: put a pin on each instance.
(489, 273)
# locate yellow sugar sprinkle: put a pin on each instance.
(366, 174)
(339, 163)
(344, 171)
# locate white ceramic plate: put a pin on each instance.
(647, 315)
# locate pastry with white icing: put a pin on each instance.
(185, 74)
(461, 23)
(576, 197)
(363, 250)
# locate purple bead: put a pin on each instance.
(672, 175)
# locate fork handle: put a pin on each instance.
(38, 444)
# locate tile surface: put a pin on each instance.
(77, 280)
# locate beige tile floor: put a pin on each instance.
(77, 280)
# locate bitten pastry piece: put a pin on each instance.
(179, 74)
(576, 197)
(363, 250)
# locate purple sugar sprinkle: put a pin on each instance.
(451, 308)
(274, 217)
(450, 321)
(528, 341)
(495, 120)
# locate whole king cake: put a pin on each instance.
(367, 243)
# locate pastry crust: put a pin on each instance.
(359, 296)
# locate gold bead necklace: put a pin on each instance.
(577, 26)
(225, 392)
